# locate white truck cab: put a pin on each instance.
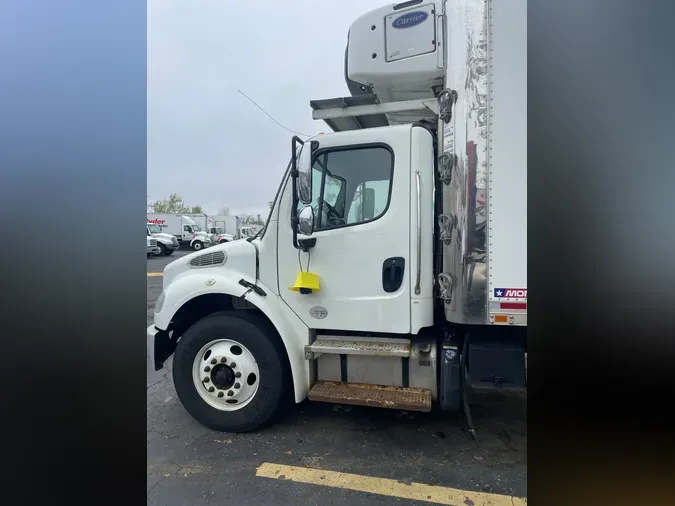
(392, 269)
(248, 231)
(218, 235)
(194, 235)
(166, 243)
(152, 248)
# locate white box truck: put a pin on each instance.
(183, 227)
(223, 228)
(392, 271)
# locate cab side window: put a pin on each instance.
(351, 186)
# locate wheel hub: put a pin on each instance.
(222, 377)
(226, 375)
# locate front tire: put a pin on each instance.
(197, 245)
(206, 362)
(167, 252)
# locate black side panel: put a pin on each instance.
(497, 364)
(393, 270)
(450, 386)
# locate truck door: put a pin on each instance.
(187, 233)
(361, 199)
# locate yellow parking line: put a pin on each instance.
(386, 487)
(151, 274)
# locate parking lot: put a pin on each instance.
(330, 455)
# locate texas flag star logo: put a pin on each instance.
(498, 293)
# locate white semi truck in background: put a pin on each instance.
(392, 271)
(183, 227)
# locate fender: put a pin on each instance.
(200, 239)
(293, 332)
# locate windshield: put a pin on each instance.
(218, 230)
(195, 228)
(154, 229)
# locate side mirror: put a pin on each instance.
(368, 204)
(304, 185)
(306, 220)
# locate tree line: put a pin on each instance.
(175, 204)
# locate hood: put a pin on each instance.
(240, 263)
(162, 235)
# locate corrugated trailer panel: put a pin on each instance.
(484, 222)
(507, 153)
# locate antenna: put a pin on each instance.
(270, 116)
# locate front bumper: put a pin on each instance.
(162, 344)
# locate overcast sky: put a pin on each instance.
(206, 141)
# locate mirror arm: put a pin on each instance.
(306, 244)
(294, 175)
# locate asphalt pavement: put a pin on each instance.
(332, 455)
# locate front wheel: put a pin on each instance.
(197, 245)
(168, 252)
(230, 372)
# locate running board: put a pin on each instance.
(378, 396)
(372, 346)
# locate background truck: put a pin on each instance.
(183, 227)
(392, 271)
(166, 243)
(151, 243)
(248, 230)
(223, 228)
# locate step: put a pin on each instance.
(359, 394)
(373, 346)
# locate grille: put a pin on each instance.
(208, 259)
(153, 242)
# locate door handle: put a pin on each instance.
(392, 273)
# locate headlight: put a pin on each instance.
(160, 302)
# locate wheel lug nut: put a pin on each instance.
(207, 369)
(230, 393)
(237, 375)
(220, 394)
(233, 364)
(214, 361)
(211, 389)
(237, 385)
(223, 360)
(206, 380)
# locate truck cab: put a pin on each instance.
(218, 235)
(193, 234)
(166, 243)
(392, 268)
(248, 231)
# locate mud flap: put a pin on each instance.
(164, 348)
